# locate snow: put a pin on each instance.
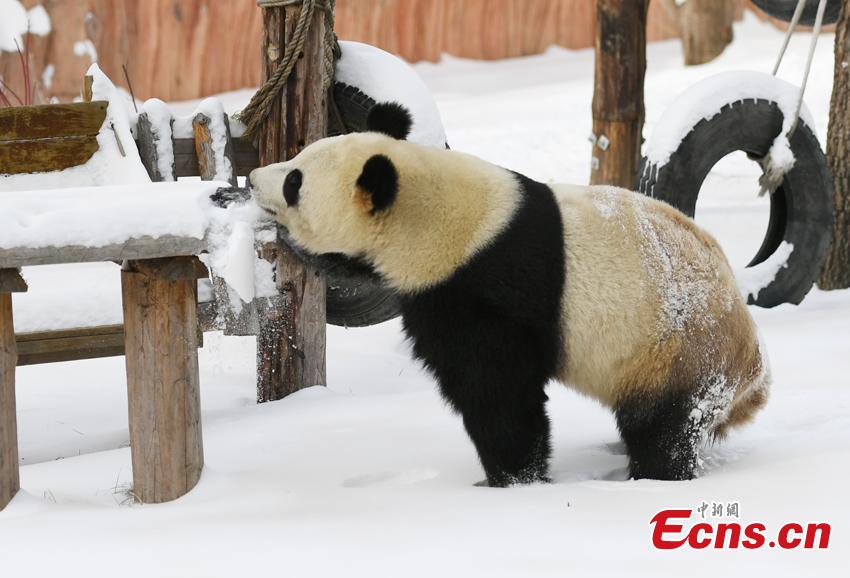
(705, 99)
(86, 48)
(368, 68)
(752, 280)
(39, 20)
(16, 22)
(101, 216)
(372, 476)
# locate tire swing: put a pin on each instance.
(764, 117)
(364, 76)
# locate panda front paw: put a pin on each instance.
(226, 196)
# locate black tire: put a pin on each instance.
(801, 209)
(784, 10)
(354, 298)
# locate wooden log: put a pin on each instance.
(245, 321)
(138, 248)
(205, 150)
(245, 155)
(9, 468)
(51, 121)
(38, 156)
(146, 141)
(41, 347)
(291, 341)
(160, 321)
(618, 108)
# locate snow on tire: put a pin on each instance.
(801, 209)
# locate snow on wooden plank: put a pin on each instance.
(104, 223)
(135, 248)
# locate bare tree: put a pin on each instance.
(705, 26)
(836, 271)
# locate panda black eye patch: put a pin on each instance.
(292, 187)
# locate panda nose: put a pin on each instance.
(292, 187)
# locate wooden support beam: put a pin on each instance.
(10, 282)
(291, 341)
(161, 338)
(70, 344)
(618, 108)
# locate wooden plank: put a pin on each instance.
(146, 142)
(171, 268)
(245, 156)
(9, 474)
(139, 248)
(51, 121)
(205, 150)
(12, 282)
(70, 345)
(163, 385)
(39, 156)
(291, 340)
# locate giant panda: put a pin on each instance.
(507, 283)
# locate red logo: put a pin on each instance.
(671, 531)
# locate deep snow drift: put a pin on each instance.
(373, 476)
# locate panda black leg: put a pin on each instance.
(661, 440)
(510, 432)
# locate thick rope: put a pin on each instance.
(260, 107)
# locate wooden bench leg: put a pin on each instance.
(10, 480)
(161, 337)
(9, 476)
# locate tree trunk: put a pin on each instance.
(618, 93)
(705, 27)
(291, 342)
(836, 271)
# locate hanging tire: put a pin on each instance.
(784, 10)
(801, 209)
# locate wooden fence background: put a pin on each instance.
(184, 49)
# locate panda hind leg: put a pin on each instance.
(661, 438)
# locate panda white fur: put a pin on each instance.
(507, 283)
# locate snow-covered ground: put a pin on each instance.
(372, 476)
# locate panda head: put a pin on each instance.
(414, 214)
(333, 196)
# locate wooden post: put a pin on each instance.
(245, 322)
(618, 93)
(291, 343)
(146, 140)
(161, 341)
(10, 483)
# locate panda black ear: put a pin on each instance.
(391, 119)
(378, 183)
